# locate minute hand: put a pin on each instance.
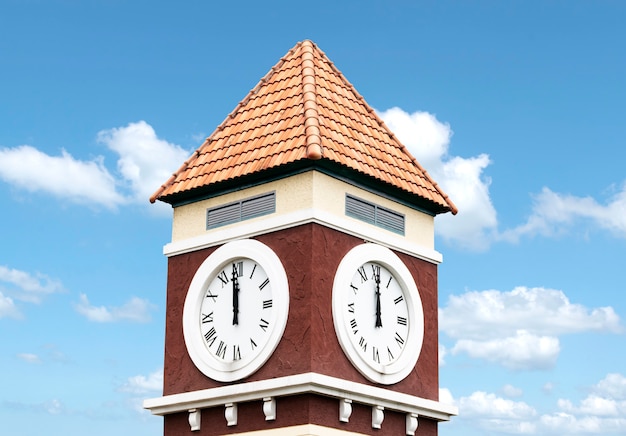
(235, 296)
(379, 322)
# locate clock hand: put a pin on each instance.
(379, 322)
(235, 296)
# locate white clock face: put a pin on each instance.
(236, 310)
(377, 313)
(376, 310)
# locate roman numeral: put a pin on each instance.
(264, 284)
(375, 271)
(389, 282)
(264, 325)
(353, 325)
(399, 299)
(253, 270)
(207, 318)
(362, 273)
(351, 307)
(375, 356)
(236, 352)
(363, 344)
(210, 336)
(252, 344)
(267, 304)
(210, 295)
(221, 350)
(238, 268)
(223, 278)
(354, 288)
(401, 320)
(399, 340)
(389, 354)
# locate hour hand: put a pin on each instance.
(235, 295)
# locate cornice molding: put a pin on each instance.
(307, 383)
(280, 222)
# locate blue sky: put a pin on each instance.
(515, 108)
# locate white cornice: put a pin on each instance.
(306, 383)
(279, 222)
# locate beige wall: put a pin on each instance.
(307, 191)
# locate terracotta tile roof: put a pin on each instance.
(303, 111)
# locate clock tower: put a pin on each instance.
(302, 273)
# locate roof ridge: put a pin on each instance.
(406, 151)
(453, 207)
(309, 97)
(220, 127)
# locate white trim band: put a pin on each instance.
(306, 383)
(281, 222)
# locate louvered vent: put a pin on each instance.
(241, 210)
(374, 214)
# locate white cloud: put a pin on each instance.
(442, 354)
(494, 413)
(29, 357)
(145, 161)
(141, 384)
(7, 308)
(612, 386)
(134, 310)
(601, 412)
(494, 314)
(519, 329)
(511, 391)
(462, 179)
(490, 405)
(445, 397)
(28, 287)
(553, 213)
(86, 182)
(521, 351)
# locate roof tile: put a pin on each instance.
(303, 108)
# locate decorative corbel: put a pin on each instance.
(194, 419)
(345, 409)
(411, 423)
(378, 415)
(269, 408)
(230, 413)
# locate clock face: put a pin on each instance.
(376, 310)
(377, 313)
(236, 310)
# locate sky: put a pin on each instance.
(515, 108)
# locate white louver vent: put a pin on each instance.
(374, 214)
(241, 210)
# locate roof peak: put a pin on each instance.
(303, 109)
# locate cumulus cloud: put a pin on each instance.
(463, 179)
(27, 287)
(141, 384)
(134, 310)
(494, 413)
(62, 176)
(144, 163)
(519, 329)
(554, 213)
(603, 411)
(29, 357)
(7, 308)
(521, 351)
